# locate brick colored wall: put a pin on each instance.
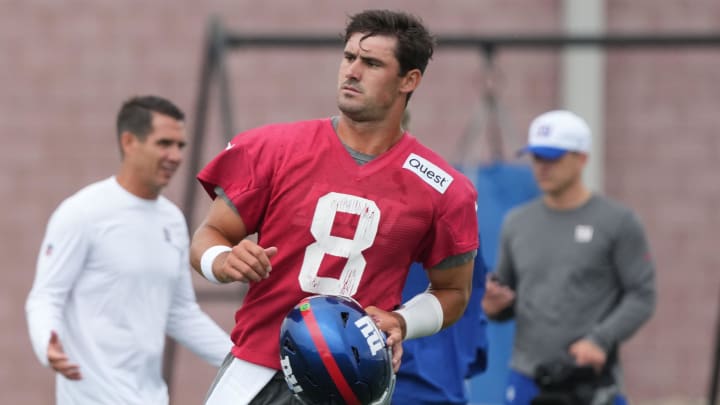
(662, 150)
(66, 67)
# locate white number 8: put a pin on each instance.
(325, 243)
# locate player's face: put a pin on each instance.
(155, 159)
(555, 177)
(368, 81)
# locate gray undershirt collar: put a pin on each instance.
(359, 157)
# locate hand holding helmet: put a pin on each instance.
(332, 352)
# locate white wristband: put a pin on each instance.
(207, 259)
(423, 315)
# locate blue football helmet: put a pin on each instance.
(332, 352)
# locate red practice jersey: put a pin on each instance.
(340, 228)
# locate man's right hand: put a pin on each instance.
(390, 323)
(247, 262)
(497, 297)
(59, 360)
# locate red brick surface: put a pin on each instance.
(66, 66)
(662, 151)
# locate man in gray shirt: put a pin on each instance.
(574, 268)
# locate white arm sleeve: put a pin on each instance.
(423, 315)
(60, 262)
(192, 327)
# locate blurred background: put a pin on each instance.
(68, 65)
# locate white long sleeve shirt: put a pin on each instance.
(112, 280)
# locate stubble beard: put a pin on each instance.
(360, 110)
(355, 111)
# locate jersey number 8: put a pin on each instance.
(325, 243)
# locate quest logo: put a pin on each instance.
(428, 172)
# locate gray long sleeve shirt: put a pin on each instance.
(585, 272)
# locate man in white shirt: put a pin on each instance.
(113, 274)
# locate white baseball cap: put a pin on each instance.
(557, 132)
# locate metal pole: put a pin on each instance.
(210, 57)
(711, 39)
(715, 371)
(224, 84)
(492, 117)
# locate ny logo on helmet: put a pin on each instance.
(289, 376)
(369, 330)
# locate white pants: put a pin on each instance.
(238, 382)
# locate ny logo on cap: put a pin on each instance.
(544, 130)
